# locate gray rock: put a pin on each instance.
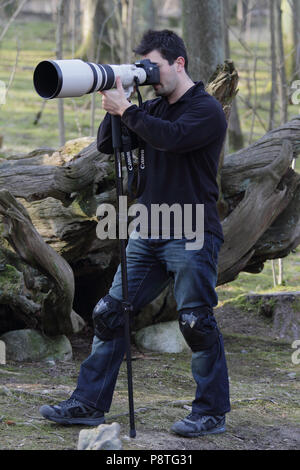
(103, 437)
(78, 322)
(30, 345)
(162, 337)
(162, 309)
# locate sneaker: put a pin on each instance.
(195, 425)
(72, 411)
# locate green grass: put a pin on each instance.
(35, 42)
(263, 282)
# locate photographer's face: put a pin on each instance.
(168, 74)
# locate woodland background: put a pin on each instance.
(262, 38)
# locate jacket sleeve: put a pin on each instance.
(200, 125)
(104, 140)
(104, 137)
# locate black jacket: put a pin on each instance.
(183, 142)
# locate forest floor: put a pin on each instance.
(264, 386)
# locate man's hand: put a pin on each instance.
(115, 101)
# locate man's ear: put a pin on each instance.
(180, 63)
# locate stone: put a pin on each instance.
(103, 437)
(78, 322)
(29, 345)
(162, 309)
(161, 337)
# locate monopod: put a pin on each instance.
(126, 306)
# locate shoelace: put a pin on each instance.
(197, 417)
(194, 416)
(69, 402)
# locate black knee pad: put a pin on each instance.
(108, 319)
(199, 328)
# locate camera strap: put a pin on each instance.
(141, 152)
(135, 185)
(126, 148)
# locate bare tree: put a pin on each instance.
(94, 13)
(273, 65)
(59, 55)
(149, 12)
(203, 34)
(296, 38)
(74, 24)
(241, 14)
(282, 89)
(12, 19)
(97, 59)
(235, 135)
(281, 72)
(291, 36)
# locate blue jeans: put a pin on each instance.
(151, 264)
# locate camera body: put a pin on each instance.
(73, 77)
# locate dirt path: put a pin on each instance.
(264, 385)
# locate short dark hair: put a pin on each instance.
(168, 43)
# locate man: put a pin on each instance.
(182, 132)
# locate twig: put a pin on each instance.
(237, 437)
(3, 5)
(13, 17)
(254, 110)
(77, 113)
(255, 399)
(11, 391)
(58, 435)
(30, 424)
(13, 72)
(3, 371)
(241, 41)
(255, 97)
(39, 418)
(39, 113)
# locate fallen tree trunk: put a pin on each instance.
(265, 196)
(55, 311)
(51, 199)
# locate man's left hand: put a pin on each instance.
(115, 101)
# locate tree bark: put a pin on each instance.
(203, 36)
(234, 133)
(59, 55)
(273, 65)
(291, 31)
(94, 13)
(281, 72)
(32, 249)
